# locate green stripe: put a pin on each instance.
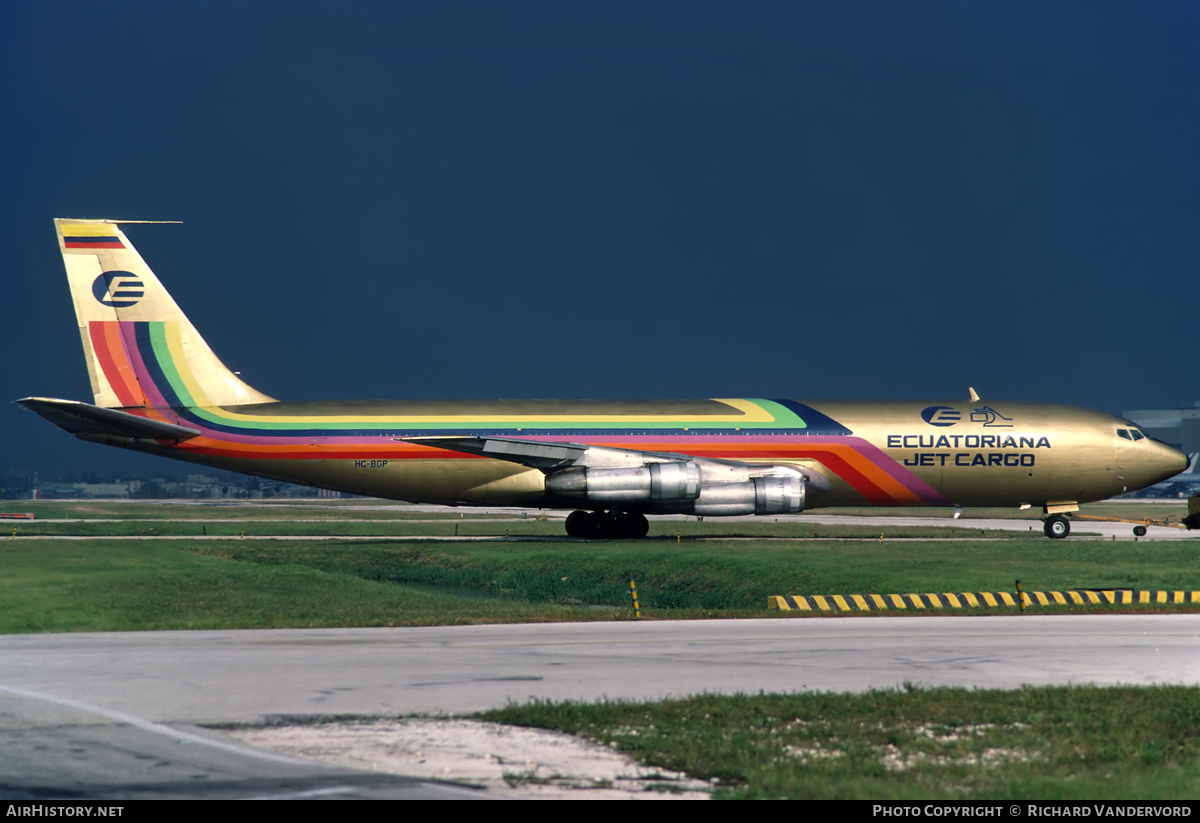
(162, 354)
(784, 419)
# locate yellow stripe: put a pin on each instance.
(898, 601)
(915, 600)
(1092, 597)
(1076, 597)
(175, 346)
(987, 598)
(777, 602)
(802, 603)
(88, 229)
(821, 602)
(878, 601)
(841, 603)
(971, 599)
(1007, 599)
(1058, 598)
(1178, 597)
(751, 413)
(860, 602)
(1126, 597)
(1143, 597)
(952, 600)
(934, 601)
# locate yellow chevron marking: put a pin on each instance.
(869, 602)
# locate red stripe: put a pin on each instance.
(107, 353)
(107, 244)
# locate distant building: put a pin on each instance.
(1178, 427)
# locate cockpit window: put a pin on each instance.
(1137, 435)
(1124, 433)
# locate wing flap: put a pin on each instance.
(547, 456)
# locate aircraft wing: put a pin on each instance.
(539, 454)
(82, 419)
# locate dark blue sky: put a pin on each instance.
(608, 199)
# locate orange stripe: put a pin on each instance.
(843, 460)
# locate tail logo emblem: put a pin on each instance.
(119, 289)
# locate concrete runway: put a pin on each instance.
(111, 715)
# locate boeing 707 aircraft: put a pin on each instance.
(158, 388)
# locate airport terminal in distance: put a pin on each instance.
(158, 388)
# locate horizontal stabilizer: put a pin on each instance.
(84, 419)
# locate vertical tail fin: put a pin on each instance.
(141, 349)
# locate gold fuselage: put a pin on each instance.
(872, 453)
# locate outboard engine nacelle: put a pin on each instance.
(782, 493)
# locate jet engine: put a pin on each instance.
(717, 489)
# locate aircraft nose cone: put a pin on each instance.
(1166, 461)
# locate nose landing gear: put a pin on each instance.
(1056, 526)
(605, 525)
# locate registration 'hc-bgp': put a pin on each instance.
(158, 388)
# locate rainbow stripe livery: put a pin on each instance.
(158, 388)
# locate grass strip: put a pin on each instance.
(113, 584)
(1078, 743)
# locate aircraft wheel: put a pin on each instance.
(577, 524)
(1057, 527)
(598, 526)
(634, 525)
(1139, 531)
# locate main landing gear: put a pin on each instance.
(601, 525)
(1056, 526)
